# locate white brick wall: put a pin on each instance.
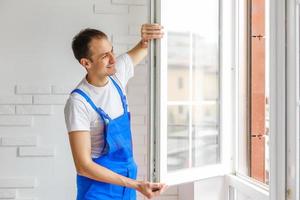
(12, 182)
(8, 193)
(33, 89)
(7, 109)
(50, 99)
(38, 76)
(26, 99)
(33, 110)
(36, 151)
(19, 141)
(15, 121)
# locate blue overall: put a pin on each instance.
(119, 157)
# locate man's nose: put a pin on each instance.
(112, 58)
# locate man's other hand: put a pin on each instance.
(150, 32)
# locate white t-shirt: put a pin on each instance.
(80, 116)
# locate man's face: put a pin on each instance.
(102, 58)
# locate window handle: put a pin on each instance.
(259, 36)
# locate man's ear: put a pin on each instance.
(86, 63)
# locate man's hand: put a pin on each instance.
(150, 32)
(151, 190)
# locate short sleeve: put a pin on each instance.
(76, 116)
(125, 68)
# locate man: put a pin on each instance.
(98, 120)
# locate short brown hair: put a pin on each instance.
(81, 42)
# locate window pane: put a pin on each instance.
(178, 143)
(205, 68)
(178, 66)
(205, 135)
(192, 29)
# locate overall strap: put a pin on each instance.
(89, 100)
(123, 97)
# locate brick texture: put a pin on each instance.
(8, 193)
(33, 110)
(15, 121)
(7, 109)
(28, 89)
(23, 99)
(17, 182)
(36, 151)
(19, 141)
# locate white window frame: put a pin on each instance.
(293, 99)
(277, 96)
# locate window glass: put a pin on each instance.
(192, 30)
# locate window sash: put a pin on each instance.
(159, 118)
